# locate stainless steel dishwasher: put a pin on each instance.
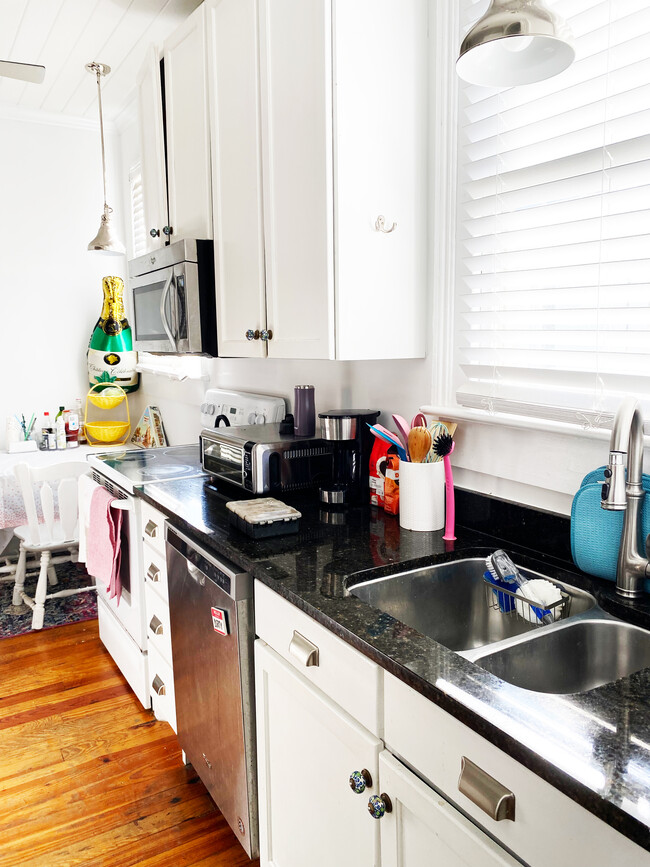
(212, 632)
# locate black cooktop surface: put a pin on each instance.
(143, 466)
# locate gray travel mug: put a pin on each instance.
(304, 413)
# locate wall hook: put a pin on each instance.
(380, 225)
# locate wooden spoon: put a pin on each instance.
(419, 444)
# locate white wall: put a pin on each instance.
(51, 189)
(390, 386)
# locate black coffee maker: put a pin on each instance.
(351, 438)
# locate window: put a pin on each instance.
(553, 290)
(138, 230)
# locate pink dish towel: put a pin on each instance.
(103, 542)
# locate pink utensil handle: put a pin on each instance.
(419, 420)
(450, 503)
(403, 429)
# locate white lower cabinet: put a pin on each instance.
(310, 741)
(159, 646)
(307, 749)
(423, 828)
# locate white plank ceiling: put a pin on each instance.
(64, 35)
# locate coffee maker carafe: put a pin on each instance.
(347, 430)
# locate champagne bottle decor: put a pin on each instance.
(111, 357)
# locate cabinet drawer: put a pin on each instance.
(341, 672)
(548, 829)
(155, 571)
(153, 527)
(161, 685)
(158, 628)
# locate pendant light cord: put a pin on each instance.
(98, 71)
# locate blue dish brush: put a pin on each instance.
(502, 569)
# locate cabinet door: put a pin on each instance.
(236, 175)
(380, 161)
(296, 103)
(188, 130)
(423, 828)
(307, 748)
(152, 149)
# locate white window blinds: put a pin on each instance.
(553, 301)
(138, 230)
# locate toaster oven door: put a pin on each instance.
(224, 460)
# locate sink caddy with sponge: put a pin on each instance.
(536, 600)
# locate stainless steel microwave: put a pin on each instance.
(173, 301)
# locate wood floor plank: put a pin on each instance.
(89, 777)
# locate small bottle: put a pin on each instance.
(71, 429)
(59, 426)
(81, 438)
(46, 431)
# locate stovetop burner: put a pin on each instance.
(143, 466)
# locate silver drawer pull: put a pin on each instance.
(486, 792)
(151, 529)
(156, 626)
(303, 650)
(158, 685)
(153, 573)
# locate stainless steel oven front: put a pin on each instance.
(173, 299)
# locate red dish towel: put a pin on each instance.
(103, 542)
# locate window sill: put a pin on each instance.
(518, 422)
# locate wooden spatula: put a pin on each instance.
(419, 444)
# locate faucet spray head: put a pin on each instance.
(613, 493)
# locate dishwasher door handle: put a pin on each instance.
(303, 650)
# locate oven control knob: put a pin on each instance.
(260, 419)
(251, 418)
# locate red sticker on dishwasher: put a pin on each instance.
(219, 621)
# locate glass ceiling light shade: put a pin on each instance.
(105, 241)
(515, 42)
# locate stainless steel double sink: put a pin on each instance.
(451, 603)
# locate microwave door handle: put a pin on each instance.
(163, 317)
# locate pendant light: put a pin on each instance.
(105, 240)
(515, 42)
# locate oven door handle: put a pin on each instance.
(163, 301)
(124, 505)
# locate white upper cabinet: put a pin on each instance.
(236, 175)
(188, 130)
(152, 150)
(176, 170)
(319, 129)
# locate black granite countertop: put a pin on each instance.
(593, 746)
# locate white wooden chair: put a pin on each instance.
(54, 534)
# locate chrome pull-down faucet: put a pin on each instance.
(618, 494)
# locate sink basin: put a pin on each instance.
(572, 657)
(451, 603)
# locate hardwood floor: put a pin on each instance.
(87, 777)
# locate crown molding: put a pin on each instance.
(46, 118)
